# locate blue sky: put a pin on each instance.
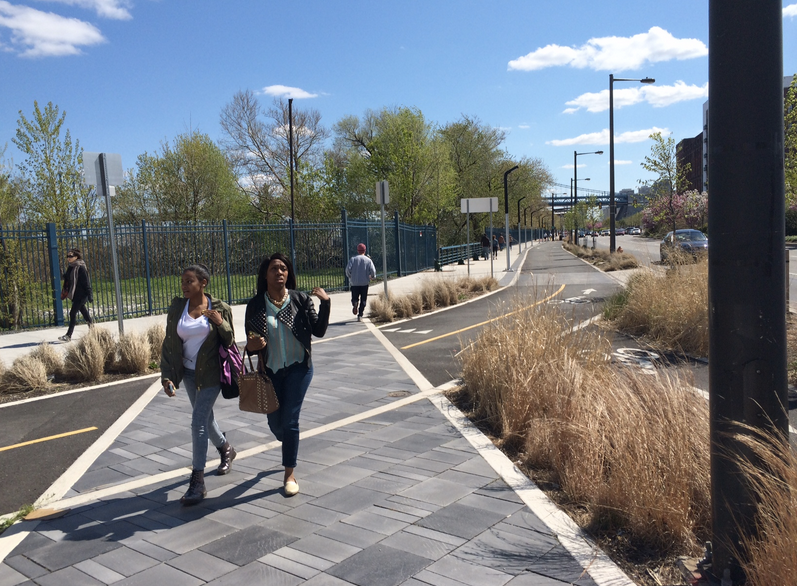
(132, 73)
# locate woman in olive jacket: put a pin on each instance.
(279, 323)
(196, 325)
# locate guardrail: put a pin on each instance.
(450, 254)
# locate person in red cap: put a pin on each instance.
(360, 271)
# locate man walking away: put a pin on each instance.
(486, 247)
(360, 271)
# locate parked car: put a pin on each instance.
(634, 231)
(692, 242)
(604, 232)
(619, 231)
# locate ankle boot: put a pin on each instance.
(196, 489)
(227, 454)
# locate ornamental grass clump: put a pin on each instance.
(133, 354)
(53, 361)
(155, 336)
(669, 309)
(85, 360)
(26, 374)
(627, 448)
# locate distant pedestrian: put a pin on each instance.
(360, 271)
(77, 287)
(501, 242)
(485, 246)
(495, 246)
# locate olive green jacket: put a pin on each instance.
(207, 360)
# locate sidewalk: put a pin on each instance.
(397, 487)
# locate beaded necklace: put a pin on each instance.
(275, 302)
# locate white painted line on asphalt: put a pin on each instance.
(422, 331)
(80, 390)
(80, 466)
(594, 561)
(392, 330)
(406, 331)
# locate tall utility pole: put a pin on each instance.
(747, 301)
(290, 164)
(506, 219)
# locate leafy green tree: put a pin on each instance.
(189, 181)
(670, 180)
(10, 207)
(790, 143)
(51, 177)
(257, 141)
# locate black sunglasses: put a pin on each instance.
(70, 255)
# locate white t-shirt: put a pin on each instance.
(193, 333)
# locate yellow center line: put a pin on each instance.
(484, 322)
(46, 439)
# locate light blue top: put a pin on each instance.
(283, 347)
(360, 270)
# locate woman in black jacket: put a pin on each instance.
(77, 287)
(279, 324)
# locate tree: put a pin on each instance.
(51, 177)
(670, 180)
(790, 143)
(257, 142)
(189, 181)
(10, 207)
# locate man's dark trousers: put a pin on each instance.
(359, 294)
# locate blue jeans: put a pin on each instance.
(203, 423)
(291, 384)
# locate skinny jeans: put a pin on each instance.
(203, 423)
(290, 384)
(78, 305)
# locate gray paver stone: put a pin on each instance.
(247, 545)
(126, 561)
(460, 520)
(202, 565)
(161, 574)
(325, 548)
(71, 576)
(379, 565)
(257, 573)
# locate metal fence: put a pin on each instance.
(152, 257)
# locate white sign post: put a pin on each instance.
(479, 205)
(104, 170)
(382, 198)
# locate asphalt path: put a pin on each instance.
(27, 471)
(549, 275)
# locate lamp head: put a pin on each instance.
(598, 152)
(648, 80)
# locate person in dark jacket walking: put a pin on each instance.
(196, 325)
(279, 324)
(77, 287)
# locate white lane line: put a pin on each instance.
(423, 331)
(406, 331)
(392, 330)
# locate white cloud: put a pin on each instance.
(116, 9)
(602, 137)
(44, 34)
(524, 126)
(657, 96)
(619, 162)
(790, 10)
(614, 53)
(284, 91)
(571, 166)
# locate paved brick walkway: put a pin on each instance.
(395, 489)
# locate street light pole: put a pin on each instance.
(575, 185)
(506, 219)
(520, 238)
(612, 211)
(290, 164)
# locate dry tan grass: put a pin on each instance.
(133, 354)
(603, 259)
(670, 309)
(771, 556)
(155, 336)
(27, 373)
(431, 294)
(85, 361)
(632, 449)
(53, 361)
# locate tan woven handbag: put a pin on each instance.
(257, 394)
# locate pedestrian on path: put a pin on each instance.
(360, 271)
(501, 242)
(495, 246)
(196, 325)
(279, 323)
(77, 288)
(485, 246)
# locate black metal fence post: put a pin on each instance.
(55, 273)
(226, 236)
(398, 244)
(147, 273)
(344, 229)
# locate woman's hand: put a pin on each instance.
(255, 343)
(168, 388)
(320, 293)
(213, 316)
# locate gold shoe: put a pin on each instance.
(291, 488)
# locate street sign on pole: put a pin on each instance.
(92, 172)
(475, 205)
(382, 198)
